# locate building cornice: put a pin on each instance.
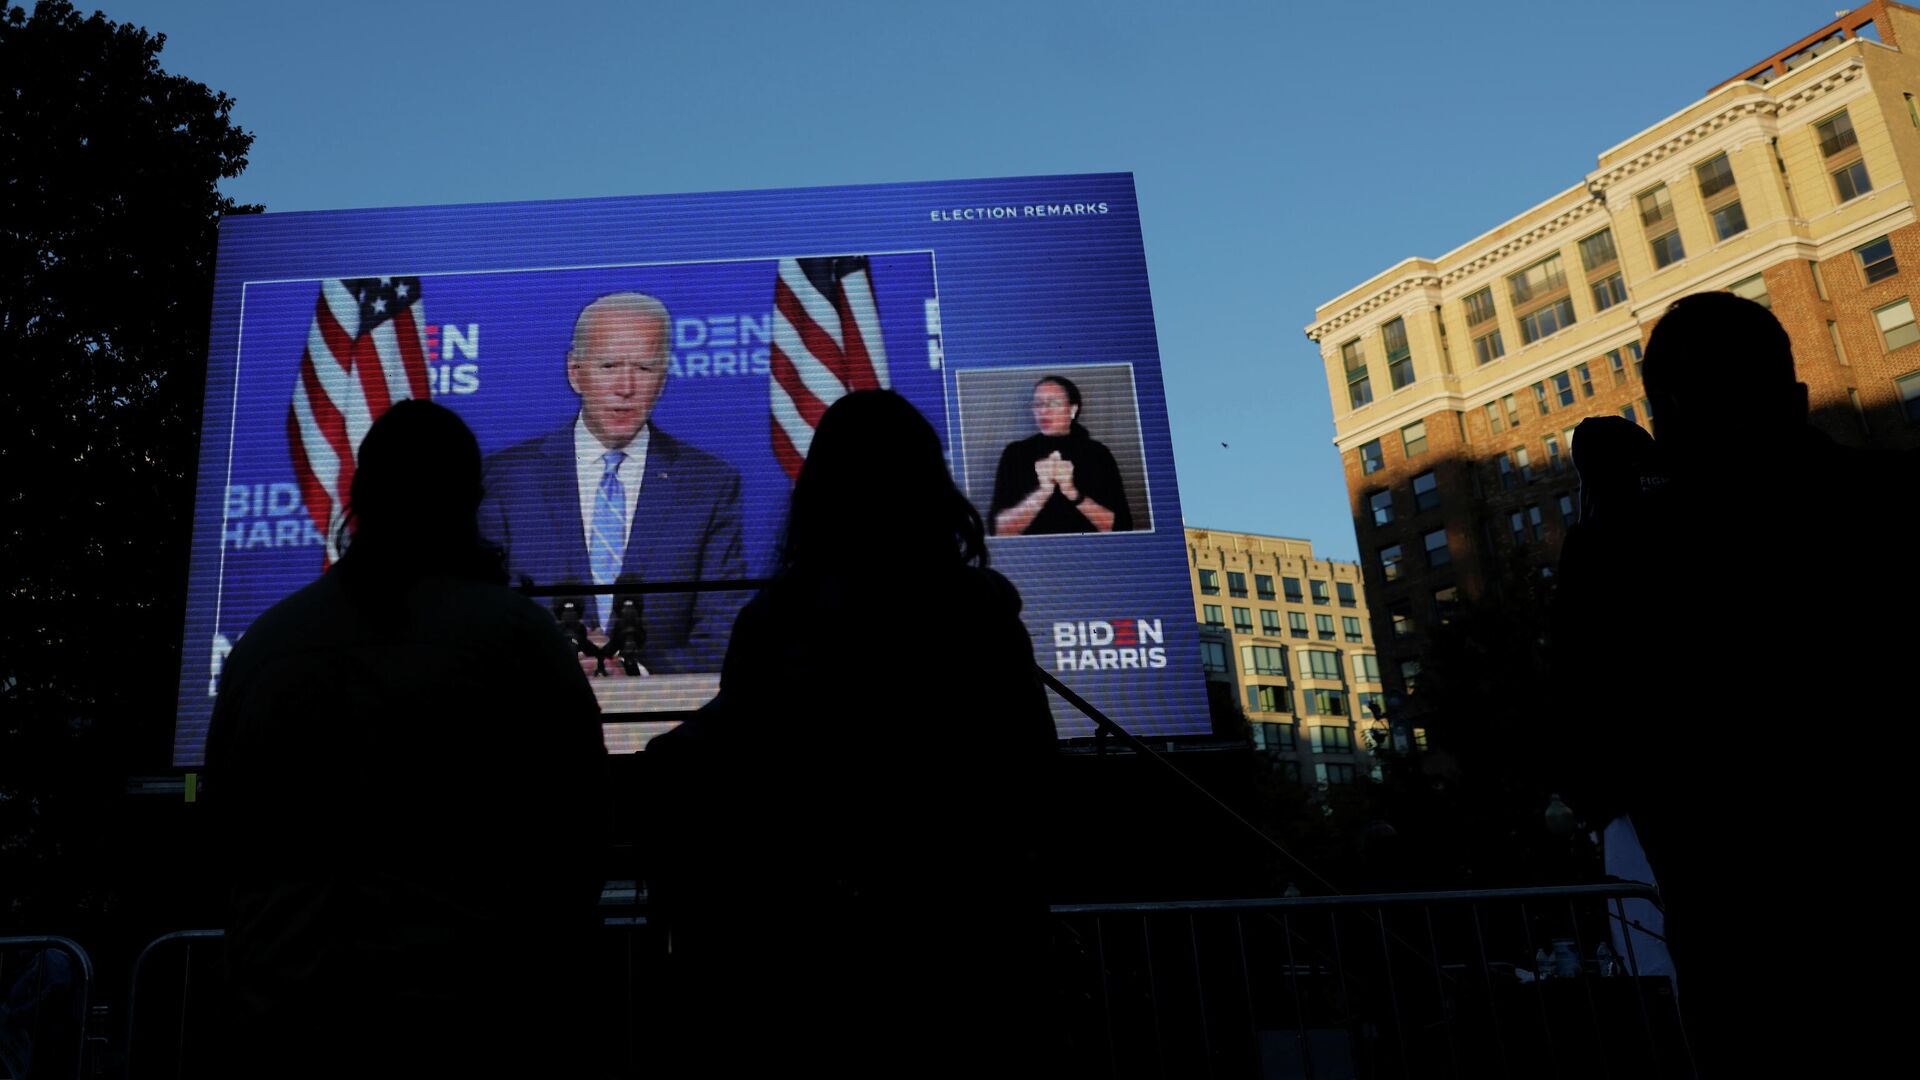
(1757, 104)
(1521, 241)
(1400, 288)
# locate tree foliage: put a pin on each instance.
(108, 225)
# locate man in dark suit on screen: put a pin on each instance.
(610, 498)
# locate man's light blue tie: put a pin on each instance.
(608, 545)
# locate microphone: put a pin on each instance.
(628, 632)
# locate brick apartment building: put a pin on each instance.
(1456, 381)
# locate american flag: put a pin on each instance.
(365, 350)
(826, 343)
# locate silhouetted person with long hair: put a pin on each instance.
(404, 764)
(1762, 574)
(856, 881)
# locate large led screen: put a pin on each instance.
(1015, 314)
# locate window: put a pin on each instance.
(1371, 459)
(1494, 424)
(1896, 325)
(1413, 438)
(1584, 373)
(1319, 591)
(1541, 401)
(1555, 461)
(1213, 657)
(1426, 491)
(1618, 366)
(1550, 319)
(1294, 595)
(1909, 387)
(1446, 604)
(1269, 622)
(1366, 667)
(1819, 279)
(1608, 291)
(1523, 461)
(1381, 504)
(1729, 220)
(1400, 616)
(1715, 176)
(1263, 586)
(1242, 620)
(1323, 624)
(1274, 737)
(1627, 411)
(1210, 582)
(1836, 134)
(1563, 388)
(1236, 583)
(1331, 738)
(1324, 702)
(1436, 544)
(1321, 664)
(1480, 306)
(1913, 113)
(1754, 289)
(1350, 625)
(1597, 250)
(1488, 347)
(1297, 623)
(1399, 355)
(1291, 770)
(1333, 772)
(1359, 386)
(1370, 703)
(1518, 522)
(1667, 249)
(1265, 659)
(1271, 699)
(1656, 209)
(1390, 562)
(1852, 181)
(1508, 478)
(1833, 335)
(1513, 410)
(1568, 515)
(1537, 280)
(1536, 526)
(1343, 591)
(1876, 260)
(1410, 675)
(1210, 614)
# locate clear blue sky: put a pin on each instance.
(1283, 152)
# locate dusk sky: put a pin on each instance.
(1282, 152)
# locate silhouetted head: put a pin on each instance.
(875, 486)
(1719, 372)
(416, 491)
(1616, 460)
(1056, 406)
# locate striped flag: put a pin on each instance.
(365, 350)
(826, 343)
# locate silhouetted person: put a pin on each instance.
(855, 883)
(1736, 627)
(404, 763)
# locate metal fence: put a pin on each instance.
(1520, 983)
(46, 996)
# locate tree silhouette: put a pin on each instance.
(109, 206)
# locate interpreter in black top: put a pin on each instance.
(1061, 480)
